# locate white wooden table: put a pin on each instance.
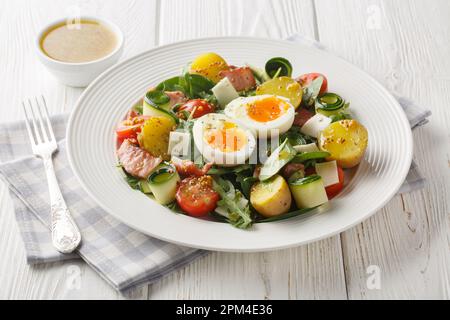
(404, 44)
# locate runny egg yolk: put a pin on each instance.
(267, 109)
(227, 138)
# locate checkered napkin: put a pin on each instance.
(122, 256)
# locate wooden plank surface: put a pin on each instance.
(403, 44)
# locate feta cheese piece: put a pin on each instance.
(224, 92)
(315, 125)
(329, 172)
(312, 147)
(179, 143)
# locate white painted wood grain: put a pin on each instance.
(404, 44)
(408, 239)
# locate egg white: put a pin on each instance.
(216, 156)
(237, 110)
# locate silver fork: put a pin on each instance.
(65, 234)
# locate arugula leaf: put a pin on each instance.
(171, 84)
(305, 156)
(199, 85)
(173, 206)
(340, 116)
(311, 92)
(133, 182)
(158, 97)
(192, 85)
(234, 203)
(246, 184)
(286, 215)
(138, 107)
(223, 170)
(295, 137)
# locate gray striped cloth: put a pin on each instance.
(125, 258)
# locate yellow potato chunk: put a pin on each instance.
(154, 136)
(209, 65)
(272, 197)
(346, 140)
(285, 87)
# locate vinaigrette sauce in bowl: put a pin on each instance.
(78, 43)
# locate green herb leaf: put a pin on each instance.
(233, 202)
(304, 156)
(311, 92)
(286, 215)
(277, 160)
(295, 137)
(157, 97)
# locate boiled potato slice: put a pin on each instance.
(346, 140)
(272, 197)
(283, 86)
(209, 65)
(154, 136)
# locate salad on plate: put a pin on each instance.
(240, 144)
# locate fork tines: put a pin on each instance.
(35, 114)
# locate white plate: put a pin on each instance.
(92, 156)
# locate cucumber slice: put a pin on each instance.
(145, 187)
(330, 104)
(308, 192)
(156, 111)
(163, 183)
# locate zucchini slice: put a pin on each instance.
(308, 192)
(163, 183)
(330, 104)
(278, 67)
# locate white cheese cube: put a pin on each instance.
(312, 147)
(315, 125)
(224, 92)
(329, 172)
(179, 143)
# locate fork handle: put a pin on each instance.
(65, 234)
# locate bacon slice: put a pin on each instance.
(136, 161)
(176, 97)
(292, 168)
(241, 78)
(187, 168)
(302, 116)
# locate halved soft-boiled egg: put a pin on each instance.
(222, 140)
(266, 115)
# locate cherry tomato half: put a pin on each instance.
(196, 196)
(307, 78)
(200, 107)
(334, 189)
(129, 128)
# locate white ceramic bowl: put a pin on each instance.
(80, 74)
